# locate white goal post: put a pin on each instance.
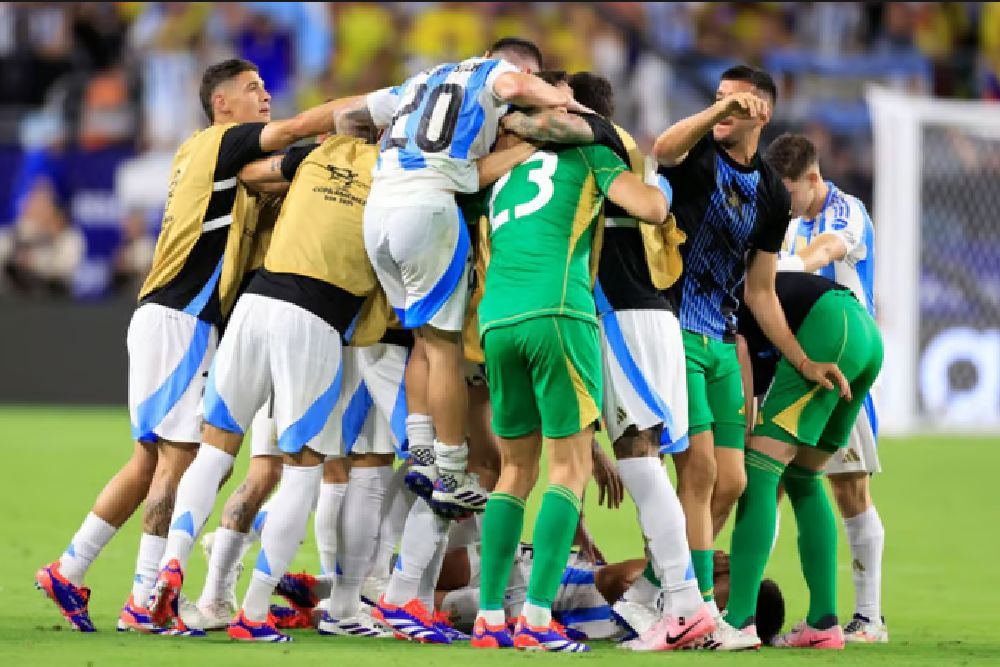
(936, 212)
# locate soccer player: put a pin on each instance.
(538, 327)
(800, 425)
(832, 235)
(645, 400)
(285, 338)
(734, 210)
(438, 123)
(172, 335)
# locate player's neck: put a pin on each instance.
(819, 201)
(743, 153)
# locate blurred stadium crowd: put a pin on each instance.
(95, 97)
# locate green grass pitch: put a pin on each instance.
(936, 499)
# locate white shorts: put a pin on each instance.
(861, 453)
(169, 353)
(421, 257)
(645, 382)
(263, 432)
(275, 346)
(372, 405)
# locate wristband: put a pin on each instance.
(791, 263)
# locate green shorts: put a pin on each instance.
(798, 412)
(544, 372)
(715, 390)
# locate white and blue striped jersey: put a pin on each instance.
(437, 124)
(845, 216)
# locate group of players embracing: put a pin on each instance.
(457, 270)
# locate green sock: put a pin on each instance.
(553, 537)
(704, 570)
(753, 535)
(817, 543)
(503, 521)
(651, 575)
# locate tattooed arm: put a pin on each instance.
(264, 175)
(355, 119)
(550, 125)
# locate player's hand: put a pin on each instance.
(827, 375)
(611, 490)
(588, 548)
(745, 106)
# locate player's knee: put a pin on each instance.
(730, 486)
(227, 441)
(697, 475)
(264, 473)
(852, 493)
(519, 477)
(637, 444)
(143, 462)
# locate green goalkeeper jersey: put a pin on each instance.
(542, 220)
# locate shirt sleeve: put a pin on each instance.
(605, 165)
(695, 172)
(240, 146)
(293, 158)
(502, 67)
(846, 222)
(382, 105)
(773, 215)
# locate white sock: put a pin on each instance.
(643, 592)
(331, 497)
(395, 509)
(357, 536)
(420, 434)
(423, 532)
(228, 549)
(283, 533)
(196, 494)
(462, 606)
(428, 582)
(492, 617)
(258, 521)
(452, 459)
(147, 566)
(86, 544)
(662, 520)
(536, 616)
(866, 536)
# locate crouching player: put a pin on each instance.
(800, 425)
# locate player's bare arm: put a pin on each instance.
(746, 375)
(549, 125)
(320, 119)
(762, 300)
(264, 175)
(508, 154)
(527, 90)
(824, 249)
(355, 119)
(644, 202)
(673, 145)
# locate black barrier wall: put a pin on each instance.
(64, 352)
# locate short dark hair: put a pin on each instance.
(553, 77)
(594, 91)
(217, 74)
(770, 616)
(521, 47)
(791, 155)
(755, 76)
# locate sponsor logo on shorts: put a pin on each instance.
(621, 415)
(851, 456)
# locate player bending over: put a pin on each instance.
(832, 235)
(800, 425)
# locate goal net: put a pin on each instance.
(937, 261)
